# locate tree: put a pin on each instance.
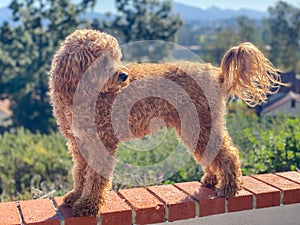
(284, 34)
(224, 39)
(26, 49)
(216, 44)
(140, 20)
(248, 30)
(144, 20)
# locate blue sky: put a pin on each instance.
(261, 5)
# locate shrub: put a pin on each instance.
(274, 149)
(33, 165)
(154, 152)
(267, 144)
(32, 162)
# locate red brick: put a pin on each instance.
(292, 175)
(291, 190)
(242, 201)
(147, 208)
(265, 195)
(209, 203)
(116, 211)
(39, 212)
(180, 206)
(68, 215)
(9, 214)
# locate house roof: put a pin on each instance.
(292, 79)
(285, 99)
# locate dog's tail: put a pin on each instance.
(248, 74)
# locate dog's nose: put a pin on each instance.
(123, 76)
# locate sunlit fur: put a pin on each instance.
(245, 72)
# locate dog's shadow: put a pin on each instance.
(65, 213)
(206, 199)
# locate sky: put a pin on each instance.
(260, 5)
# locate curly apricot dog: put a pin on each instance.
(244, 73)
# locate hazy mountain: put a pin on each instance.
(188, 13)
(214, 13)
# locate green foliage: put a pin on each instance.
(267, 144)
(139, 20)
(275, 149)
(225, 39)
(27, 46)
(143, 20)
(247, 31)
(284, 34)
(277, 36)
(30, 162)
(26, 51)
(215, 45)
(155, 150)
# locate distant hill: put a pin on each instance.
(188, 13)
(214, 13)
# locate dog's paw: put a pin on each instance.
(85, 207)
(209, 180)
(227, 191)
(71, 197)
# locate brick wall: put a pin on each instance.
(158, 204)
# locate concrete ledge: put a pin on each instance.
(279, 215)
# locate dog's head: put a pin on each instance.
(117, 81)
(84, 51)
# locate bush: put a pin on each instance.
(273, 150)
(34, 164)
(151, 155)
(267, 144)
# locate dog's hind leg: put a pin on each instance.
(226, 167)
(222, 168)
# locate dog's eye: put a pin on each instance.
(123, 76)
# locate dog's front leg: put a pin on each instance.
(93, 195)
(78, 171)
(97, 180)
(78, 176)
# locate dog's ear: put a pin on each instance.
(248, 74)
(79, 52)
(66, 71)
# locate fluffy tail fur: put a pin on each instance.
(248, 74)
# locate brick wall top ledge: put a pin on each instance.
(157, 204)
